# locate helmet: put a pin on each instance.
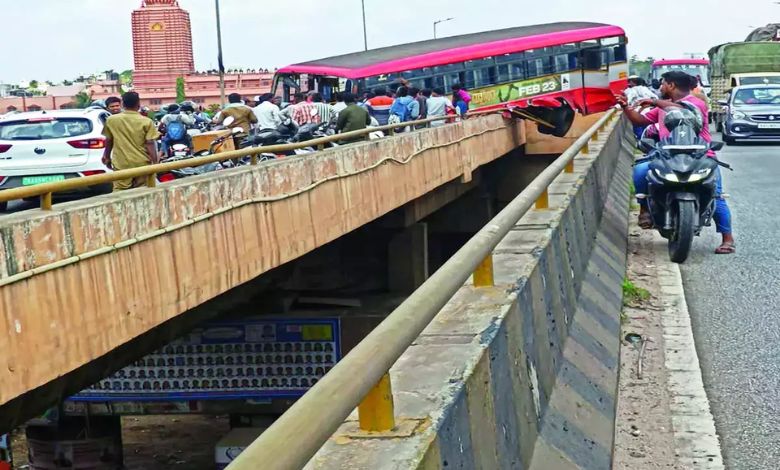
(186, 107)
(685, 124)
(173, 108)
(98, 104)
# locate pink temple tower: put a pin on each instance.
(162, 45)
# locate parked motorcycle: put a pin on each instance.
(682, 181)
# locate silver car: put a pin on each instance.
(47, 146)
(752, 112)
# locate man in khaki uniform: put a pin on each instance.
(243, 117)
(131, 141)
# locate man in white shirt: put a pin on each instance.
(438, 104)
(267, 112)
(339, 106)
(637, 90)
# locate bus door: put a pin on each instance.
(595, 78)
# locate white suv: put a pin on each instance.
(46, 146)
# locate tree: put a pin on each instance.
(126, 77)
(640, 67)
(83, 99)
(67, 82)
(180, 93)
(33, 84)
(213, 109)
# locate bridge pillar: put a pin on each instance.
(407, 259)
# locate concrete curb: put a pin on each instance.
(696, 439)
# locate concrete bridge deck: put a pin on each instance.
(91, 276)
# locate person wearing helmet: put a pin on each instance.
(676, 87)
(175, 118)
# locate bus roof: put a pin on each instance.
(453, 49)
(662, 62)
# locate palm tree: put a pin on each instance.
(83, 99)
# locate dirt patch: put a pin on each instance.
(157, 442)
(644, 437)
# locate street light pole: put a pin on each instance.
(219, 58)
(365, 32)
(436, 23)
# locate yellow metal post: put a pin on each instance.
(321, 147)
(569, 167)
(543, 202)
(586, 149)
(46, 201)
(376, 412)
(151, 180)
(253, 159)
(595, 137)
(483, 276)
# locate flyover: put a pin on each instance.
(87, 277)
(92, 285)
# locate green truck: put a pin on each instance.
(740, 63)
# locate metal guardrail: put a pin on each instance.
(298, 434)
(46, 190)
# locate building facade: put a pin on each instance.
(162, 53)
(162, 49)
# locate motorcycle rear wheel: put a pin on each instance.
(684, 230)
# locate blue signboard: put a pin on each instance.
(253, 359)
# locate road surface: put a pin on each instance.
(735, 310)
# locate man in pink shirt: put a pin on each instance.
(676, 87)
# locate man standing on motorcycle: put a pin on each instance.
(676, 87)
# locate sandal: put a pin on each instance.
(645, 221)
(726, 248)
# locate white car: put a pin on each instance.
(47, 146)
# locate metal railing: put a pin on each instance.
(150, 172)
(362, 378)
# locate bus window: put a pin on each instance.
(510, 72)
(453, 78)
(619, 53)
(538, 67)
(561, 62)
(437, 81)
(591, 59)
(481, 78)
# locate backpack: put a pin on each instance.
(401, 109)
(176, 130)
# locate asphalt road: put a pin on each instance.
(735, 308)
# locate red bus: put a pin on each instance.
(579, 65)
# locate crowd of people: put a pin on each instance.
(132, 133)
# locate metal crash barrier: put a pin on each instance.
(313, 419)
(150, 172)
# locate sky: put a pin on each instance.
(62, 39)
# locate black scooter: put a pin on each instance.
(682, 181)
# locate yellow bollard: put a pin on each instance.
(46, 201)
(586, 149)
(483, 275)
(569, 167)
(151, 180)
(253, 159)
(376, 412)
(543, 202)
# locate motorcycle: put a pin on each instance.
(682, 181)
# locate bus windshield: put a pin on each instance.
(697, 70)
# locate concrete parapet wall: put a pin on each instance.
(91, 275)
(522, 375)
